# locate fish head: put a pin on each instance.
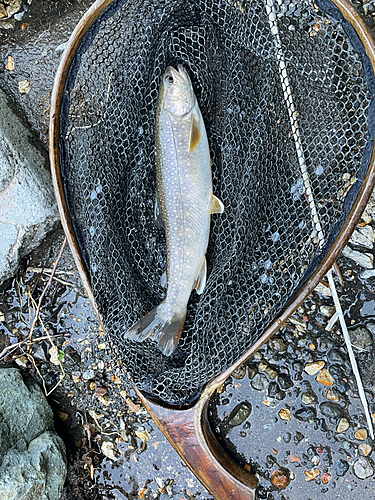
(177, 91)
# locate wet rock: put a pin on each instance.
(277, 344)
(365, 449)
(281, 478)
(332, 396)
(361, 434)
(306, 414)
(324, 377)
(252, 370)
(312, 368)
(331, 410)
(274, 391)
(343, 425)
(27, 203)
(315, 460)
(309, 398)
(363, 467)
(324, 343)
(328, 310)
(326, 477)
(239, 373)
(110, 450)
(269, 370)
(312, 474)
(336, 356)
(259, 382)
(239, 414)
(32, 456)
(363, 236)
(365, 275)
(284, 414)
(300, 324)
(88, 375)
(361, 337)
(363, 259)
(323, 290)
(285, 381)
(341, 467)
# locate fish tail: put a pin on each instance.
(166, 333)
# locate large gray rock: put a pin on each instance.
(32, 455)
(27, 203)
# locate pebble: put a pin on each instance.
(24, 86)
(299, 323)
(239, 414)
(306, 414)
(365, 275)
(341, 467)
(363, 259)
(259, 382)
(252, 370)
(308, 398)
(363, 236)
(315, 460)
(312, 474)
(293, 459)
(361, 337)
(323, 290)
(363, 467)
(88, 375)
(331, 410)
(328, 310)
(361, 434)
(324, 377)
(332, 396)
(277, 344)
(336, 356)
(312, 368)
(110, 450)
(326, 477)
(343, 425)
(239, 373)
(284, 414)
(281, 478)
(366, 449)
(285, 381)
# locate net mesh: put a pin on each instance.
(265, 244)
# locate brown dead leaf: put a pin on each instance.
(132, 406)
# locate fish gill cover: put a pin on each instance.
(265, 244)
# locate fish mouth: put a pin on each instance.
(178, 76)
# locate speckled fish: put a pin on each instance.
(186, 201)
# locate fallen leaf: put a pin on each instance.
(10, 64)
(100, 391)
(132, 406)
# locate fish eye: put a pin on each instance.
(168, 79)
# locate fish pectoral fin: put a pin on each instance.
(216, 206)
(164, 280)
(195, 132)
(201, 280)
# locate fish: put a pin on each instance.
(186, 201)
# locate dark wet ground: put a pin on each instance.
(95, 410)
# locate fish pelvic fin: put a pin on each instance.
(195, 132)
(165, 333)
(216, 205)
(201, 280)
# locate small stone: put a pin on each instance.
(239, 373)
(331, 410)
(92, 386)
(343, 425)
(364, 236)
(110, 450)
(315, 460)
(360, 337)
(281, 478)
(312, 368)
(299, 323)
(252, 370)
(63, 416)
(143, 435)
(284, 414)
(312, 474)
(365, 449)
(323, 290)
(24, 86)
(307, 414)
(22, 361)
(10, 64)
(271, 372)
(363, 467)
(239, 414)
(88, 375)
(361, 434)
(277, 344)
(326, 477)
(365, 275)
(100, 391)
(76, 378)
(257, 356)
(54, 355)
(308, 398)
(102, 346)
(341, 467)
(363, 259)
(284, 381)
(328, 311)
(274, 391)
(259, 382)
(293, 459)
(331, 396)
(324, 377)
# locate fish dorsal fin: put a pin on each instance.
(216, 206)
(195, 132)
(201, 280)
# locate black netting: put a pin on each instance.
(262, 245)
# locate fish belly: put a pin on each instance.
(184, 189)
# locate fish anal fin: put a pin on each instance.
(195, 132)
(201, 280)
(216, 205)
